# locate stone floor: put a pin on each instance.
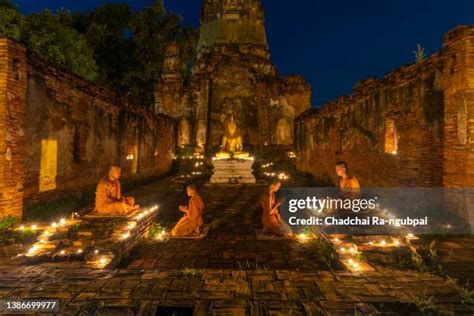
(231, 272)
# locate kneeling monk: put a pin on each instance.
(191, 222)
(271, 219)
(108, 196)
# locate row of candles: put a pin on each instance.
(197, 171)
(352, 250)
(246, 158)
(48, 232)
(103, 260)
(128, 229)
(195, 156)
(355, 264)
(352, 263)
(281, 175)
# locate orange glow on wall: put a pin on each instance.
(49, 165)
(391, 137)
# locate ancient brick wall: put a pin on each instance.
(402, 130)
(69, 132)
(12, 127)
(459, 119)
(389, 131)
(459, 107)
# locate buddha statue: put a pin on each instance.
(232, 146)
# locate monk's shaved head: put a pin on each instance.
(114, 172)
(115, 168)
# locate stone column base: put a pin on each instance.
(232, 171)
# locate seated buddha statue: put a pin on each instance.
(232, 146)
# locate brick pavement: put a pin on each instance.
(228, 273)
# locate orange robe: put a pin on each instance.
(272, 223)
(192, 220)
(109, 199)
(350, 187)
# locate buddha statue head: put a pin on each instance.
(232, 127)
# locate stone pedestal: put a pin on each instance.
(232, 171)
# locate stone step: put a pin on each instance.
(100, 240)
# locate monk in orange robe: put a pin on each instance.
(190, 224)
(271, 219)
(108, 195)
(349, 185)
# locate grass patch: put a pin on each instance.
(62, 207)
(8, 222)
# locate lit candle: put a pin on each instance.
(303, 237)
(32, 250)
(160, 236)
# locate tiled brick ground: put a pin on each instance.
(228, 273)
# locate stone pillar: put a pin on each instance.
(13, 90)
(459, 115)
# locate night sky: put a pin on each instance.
(332, 43)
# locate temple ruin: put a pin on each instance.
(233, 77)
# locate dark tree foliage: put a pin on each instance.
(7, 4)
(52, 36)
(129, 46)
(107, 32)
(112, 44)
(12, 22)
